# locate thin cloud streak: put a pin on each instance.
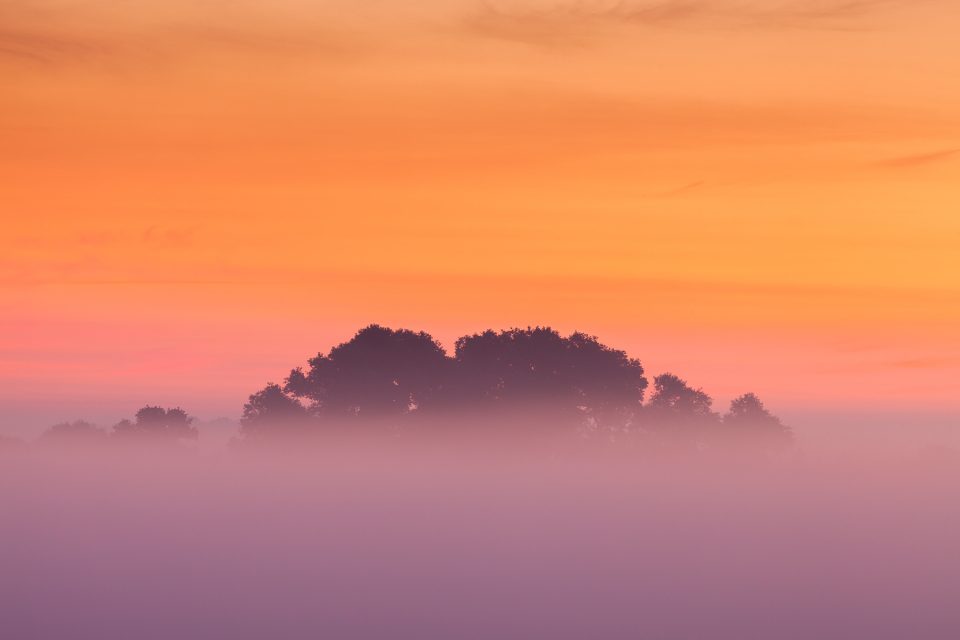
(41, 33)
(917, 364)
(49, 47)
(578, 23)
(84, 41)
(933, 362)
(920, 159)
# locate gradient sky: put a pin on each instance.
(197, 196)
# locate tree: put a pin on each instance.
(672, 395)
(380, 372)
(574, 379)
(272, 409)
(157, 423)
(610, 383)
(748, 420)
(678, 412)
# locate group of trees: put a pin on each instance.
(524, 381)
(150, 424)
(574, 384)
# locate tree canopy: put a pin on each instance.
(157, 423)
(272, 408)
(531, 380)
(575, 376)
(380, 372)
(749, 419)
(572, 382)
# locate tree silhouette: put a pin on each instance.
(748, 420)
(272, 408)
(575, 378)
(523, 378)
(159, 424)
(679, 413)
(380, 372)
(610, 383)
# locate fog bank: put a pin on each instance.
(404, 540)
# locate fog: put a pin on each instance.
(477, 537)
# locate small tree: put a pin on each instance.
(157, 423)
(679, 413)
(750, 421)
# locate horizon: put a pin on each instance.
(814, 431)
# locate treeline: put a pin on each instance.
(533, 377)
(517, 382)
(154, 425)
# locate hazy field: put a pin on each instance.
(400, 541)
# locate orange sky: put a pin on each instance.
(197, 196)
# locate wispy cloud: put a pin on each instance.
(930, 362)
(576, 22)
(914, 363)
(39, 46)
(83, 37)
(919, 159)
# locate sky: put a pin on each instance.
(198, 196)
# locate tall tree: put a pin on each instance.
(380, 372)
(575, 378)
